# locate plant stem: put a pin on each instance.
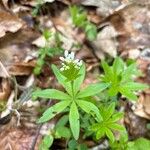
(72, 89)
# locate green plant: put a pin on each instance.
(121, 143)
(79, 108)
(79, 19)
(74, 145)
(124, 144)
(61, 128)
(109, 122)
(47, 51)
(37, 7)
(46, 142)
(71, 76)
(120, 77)
(139, 144)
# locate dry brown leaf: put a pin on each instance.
(136, 125)
(17, 53)
(142, 107)
(104, 7)
(5, 90)
(9, 23)
(29, 2)
(132, 24)
(106, 42)
(17, 138)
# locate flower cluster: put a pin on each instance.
(70, 66)
(69, 60)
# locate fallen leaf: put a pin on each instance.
(142, 107)
(9, 23)
(106, 41)
(105, 7)
(17, 53)
(132, 25)
(5, 90)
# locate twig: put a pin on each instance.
(38, 132)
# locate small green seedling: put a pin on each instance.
(110, 118)
(47, 51)
(79, 19)
(37, 8)
(120, 77)
(71, 76)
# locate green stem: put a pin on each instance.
(72, 89)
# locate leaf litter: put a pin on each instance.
(123, 29)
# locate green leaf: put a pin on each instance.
(139, 144)
(92, 90)
(108, 71)
(62, 121)
(82, 147)
(53, 110)
(51, 94)
(109, 134)
(117, 116)
(46, 142)
(100, 133)
(74, 120)
(116, 126)
(91, 31)
(113, 90)
(134, 86)
(118, 66)
(63, 131)
(78, 16)
(129, 72)
(108, 112)
(127, 93)
(89, 107)
(95, 126)
(61, 79)
(79, 80)
(72, 144)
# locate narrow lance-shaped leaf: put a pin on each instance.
(54, 110)
(116, 126)
(100, 133)
(109, 111)
(134, 86)
(92, 90)
(118, 66)
(108, 71)
(79, 80)
(61, 79)
(117, 116)
(74, 120)
(127, 93)
(51, 94)
(109, 134)
(131, 70)
(113, 90)
(89, 107)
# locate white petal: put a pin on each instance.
(72, 55)
(66, 53)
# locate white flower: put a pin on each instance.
(68, 59)
(66, 53)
